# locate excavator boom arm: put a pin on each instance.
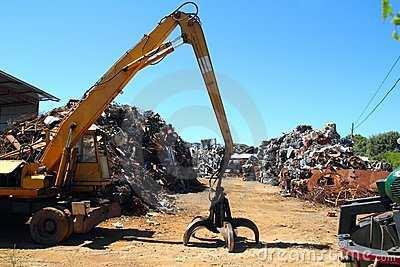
(150, 49)
(192, 33)
(97, 98)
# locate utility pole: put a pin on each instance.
(352, 131)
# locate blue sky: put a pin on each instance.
(278, 63)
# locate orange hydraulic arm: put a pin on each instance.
(150, 49)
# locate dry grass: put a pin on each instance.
(10, 258)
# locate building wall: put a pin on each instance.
(16, 112)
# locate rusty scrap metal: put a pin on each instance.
(292, 159)
(364, 178)
(13, 141)
(142, 149)
(335, 186)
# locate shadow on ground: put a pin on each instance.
(17, 236)
(241, 245)
(284, 245)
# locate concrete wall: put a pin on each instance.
(16, 112)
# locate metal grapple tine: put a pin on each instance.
(198, 218)
(243, 222)
(195, 225)
(229, 235)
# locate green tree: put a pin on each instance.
(382, 143)
(389, 14)
(360, 145)
(382, 147)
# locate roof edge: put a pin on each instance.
(44, 96)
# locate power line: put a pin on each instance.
(380, 102)
(377, 90)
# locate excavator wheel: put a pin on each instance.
(68, 214)
(49, 226)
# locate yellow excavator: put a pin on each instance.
(60, 191)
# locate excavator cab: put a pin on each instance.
(91, 171)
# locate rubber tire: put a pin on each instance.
(70, 218)
(37, 225)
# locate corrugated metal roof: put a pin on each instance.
(13, 91)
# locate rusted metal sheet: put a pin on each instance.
(16, 152)
(13, 141)
(335, 186)
(336, 178)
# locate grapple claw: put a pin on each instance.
(195, 225)
(246, 223)
(221, 221)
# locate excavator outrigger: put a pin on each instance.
(60, 190)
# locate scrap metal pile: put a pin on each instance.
(208, 154)
(243, 149)
(316, 164)
(142, 149)
(207, 157)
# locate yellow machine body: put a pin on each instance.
(88, 168)
(23, 182)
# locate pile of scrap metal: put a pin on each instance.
(318, 165)
(243, 149)
(242, 165)
(243, 162)
(207, 157)
(249, 168)
(142, 149)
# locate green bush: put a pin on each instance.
(393, 158)
(382, 143)
(379, 147)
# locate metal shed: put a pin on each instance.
(18, 99)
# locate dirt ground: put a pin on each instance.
(293, 233)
